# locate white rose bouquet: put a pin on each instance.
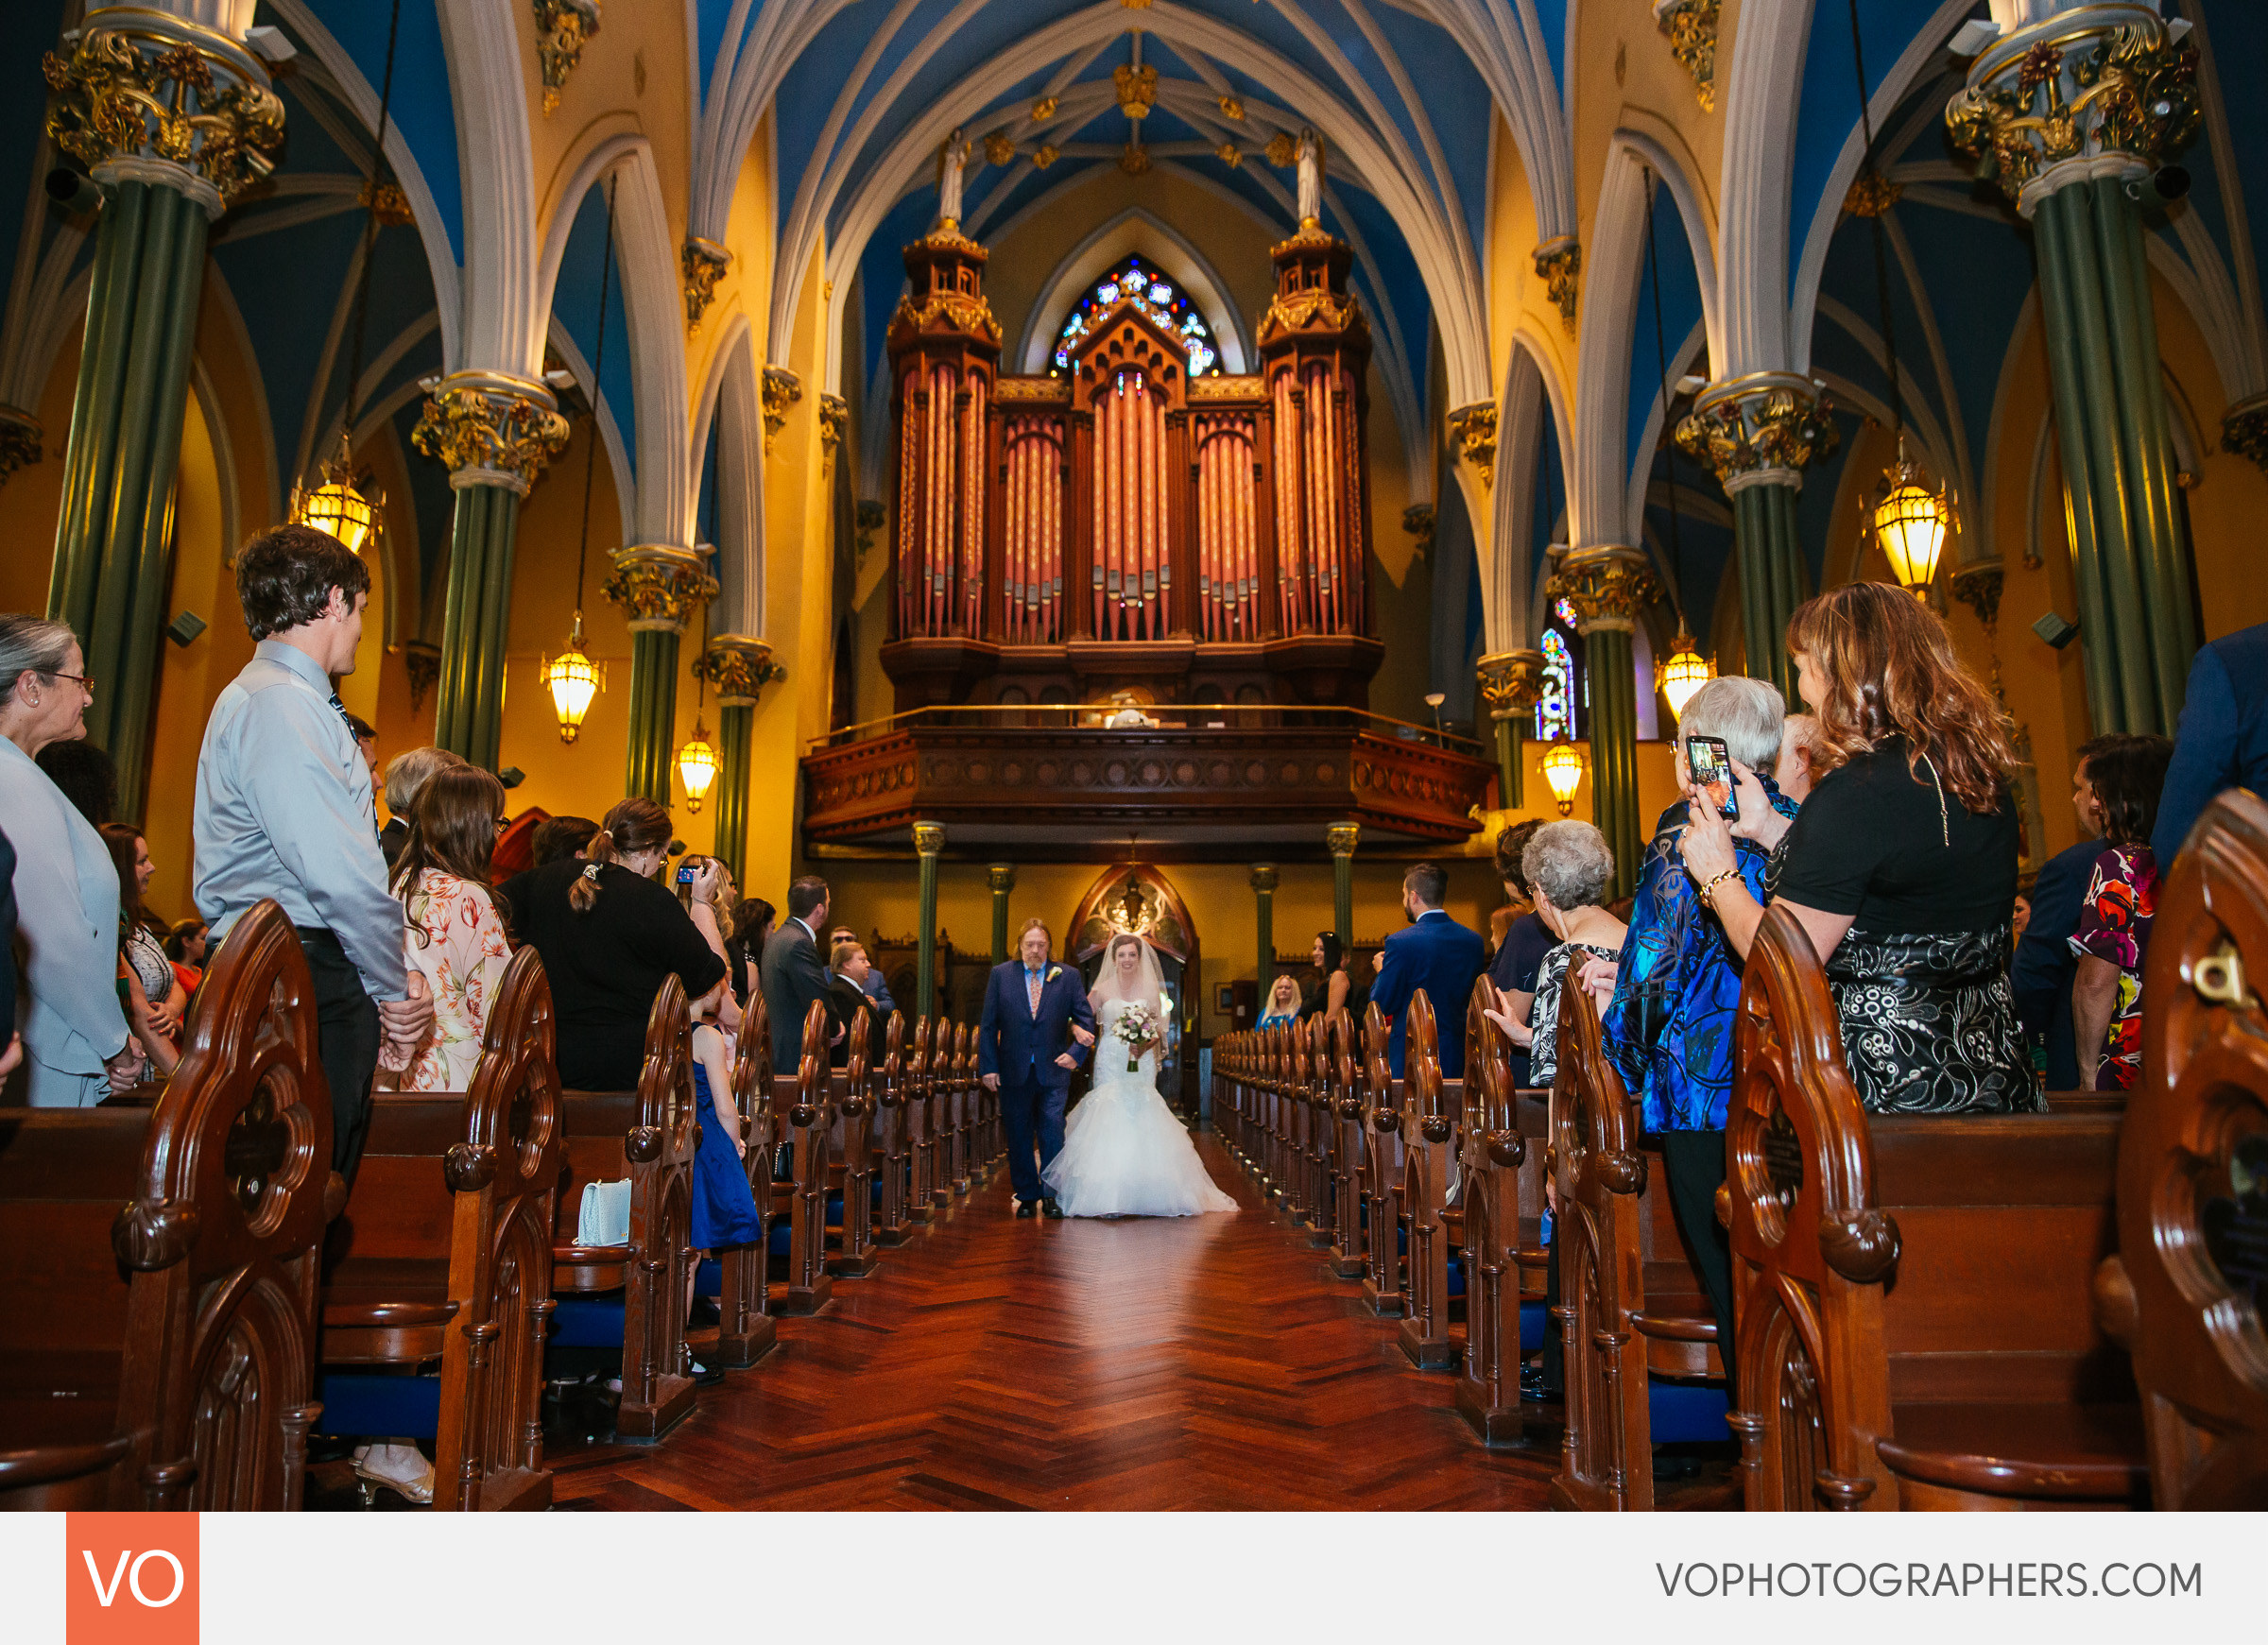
(1136, 1024)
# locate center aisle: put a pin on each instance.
(992, 1363)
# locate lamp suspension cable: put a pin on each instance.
(1882, 255)
(380, 172)
(598, 360)
(1686, 671)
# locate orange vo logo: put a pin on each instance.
(131, 1579)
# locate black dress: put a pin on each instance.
(606, 966)
(1920, 979)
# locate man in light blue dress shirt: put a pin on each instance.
(285, 810)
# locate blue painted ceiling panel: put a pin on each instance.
(420, 104)
(574, 305)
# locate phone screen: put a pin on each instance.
(1712, 768)
(685, 875)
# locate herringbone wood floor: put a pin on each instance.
(1200, 1362)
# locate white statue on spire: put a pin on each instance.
(1311, 178)
(952, 160)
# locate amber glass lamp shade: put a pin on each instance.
(573, 680)
(1563, 770)
(696, 767)
(1685, 673)
(1911, 522)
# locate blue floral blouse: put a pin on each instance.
(1669, 1026)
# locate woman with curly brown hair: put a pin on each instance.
(1901, 865)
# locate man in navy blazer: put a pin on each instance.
(1437, 954)
(1036, 1030)
(2223, 740)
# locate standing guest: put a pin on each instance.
(366, 740)
(557, 838)
(185, 949)
(1794, 771)
(284, 811)
(1513, 971)
(1338, 990)
(848, 969)
(2115, 916)
(751, 929)
(87, 775)
(1901, 865)
(1437, 954)
(407, 774)
(456, 934)
(11, 1040)
(75, 1043)
(2222, 739)
(724, 1209)
(1283, 1003)
(875, 986)
(155, 999)
(1570, 868)
(2044, 967)
(1669, 1027)
(609, 934)
(793, 975)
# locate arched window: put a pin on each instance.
(1563, 707)
(1134, 282)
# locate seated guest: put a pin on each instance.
(848, 969)
(1570, 871)
(1668, 1029)
(794, 977)
(406, 774)
(609, 934)
(2221, 742)
(185, 948)
(2044, 966)
(1437, 954)
(1338, 991)
(155, 999)
(1901, 865)
(1519, 956)
(2115, 916)
(454, 932)
(1283, 1002)
(76, 1044)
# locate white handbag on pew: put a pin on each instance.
(603, 1218)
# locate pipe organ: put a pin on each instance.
(1126, 523)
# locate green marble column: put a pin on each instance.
(1002, 878)
(1263, 922)
(120, 98)
(929, 842)
(1510, 681)
(661, 590)
(738, 666)
(1757, 433)
(495, 433)
(1608, 588)
(2072, 116)
(1342, 838)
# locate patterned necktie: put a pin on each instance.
(344, 718)
(1033, 979)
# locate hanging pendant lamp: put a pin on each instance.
(1911, 522)
(573, 680)
(1686, 671)
(338, 506)
(697, 766)
(1563, 771)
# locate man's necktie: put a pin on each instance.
(344, 718)
(1033, 979)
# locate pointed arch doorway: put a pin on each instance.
(1137, 898)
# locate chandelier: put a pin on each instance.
(1911, 521)
(573, 680)
(338, 506)
(1563, 770)
(696, 767)
(1685, 673)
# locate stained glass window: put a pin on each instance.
(1135, 283)
(1560, 707)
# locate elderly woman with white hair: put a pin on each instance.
(1570, 867)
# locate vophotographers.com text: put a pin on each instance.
(1886, 1579)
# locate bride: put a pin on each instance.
(1124, 1153)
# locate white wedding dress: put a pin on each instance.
(1124, 1153)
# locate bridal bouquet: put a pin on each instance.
(1135, 1024)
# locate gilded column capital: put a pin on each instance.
(1264, 878)
(489, 429)
(2244, 430)
(702, 262)
(1691, 27)
(834, 421)
(1342, 838)
(1510, 683)
(1421, 520)
(739, 666)
(780, 388)
(1001, 877)
(929, 838)
(1559, 265)
(149, 96)
(1607, 587)
(2098, 89)
(659, 586)
(563, 27)
(1472, 430)
(20, 436)
(1763, 428)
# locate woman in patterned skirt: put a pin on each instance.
(1901, 865)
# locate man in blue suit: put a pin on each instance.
(2223, 740)
(1036, 1030)
(1437, 954)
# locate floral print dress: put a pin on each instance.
(2114, 925)
(457, 942)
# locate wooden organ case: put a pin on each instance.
(1127, 526)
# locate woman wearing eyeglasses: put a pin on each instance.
(76, 1042)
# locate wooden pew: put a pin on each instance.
(893, 1139)
(1428, 1129)
(810, 1118)
(633, 1295)
(444, 1257)
(1344, 1159)
(745, 1330)
(158, 1306)
(851, 1146)
(1381, 1278)
(2193, 1259)
(953, 1162)
(1915, 1294)
(1635, 1316)
(1507, 1266)
(1321, 1122)
(922, 1124)
(1231, 1054)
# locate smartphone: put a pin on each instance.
(1712, 769)
(685, 872)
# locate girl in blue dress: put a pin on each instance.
(724, 1212)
